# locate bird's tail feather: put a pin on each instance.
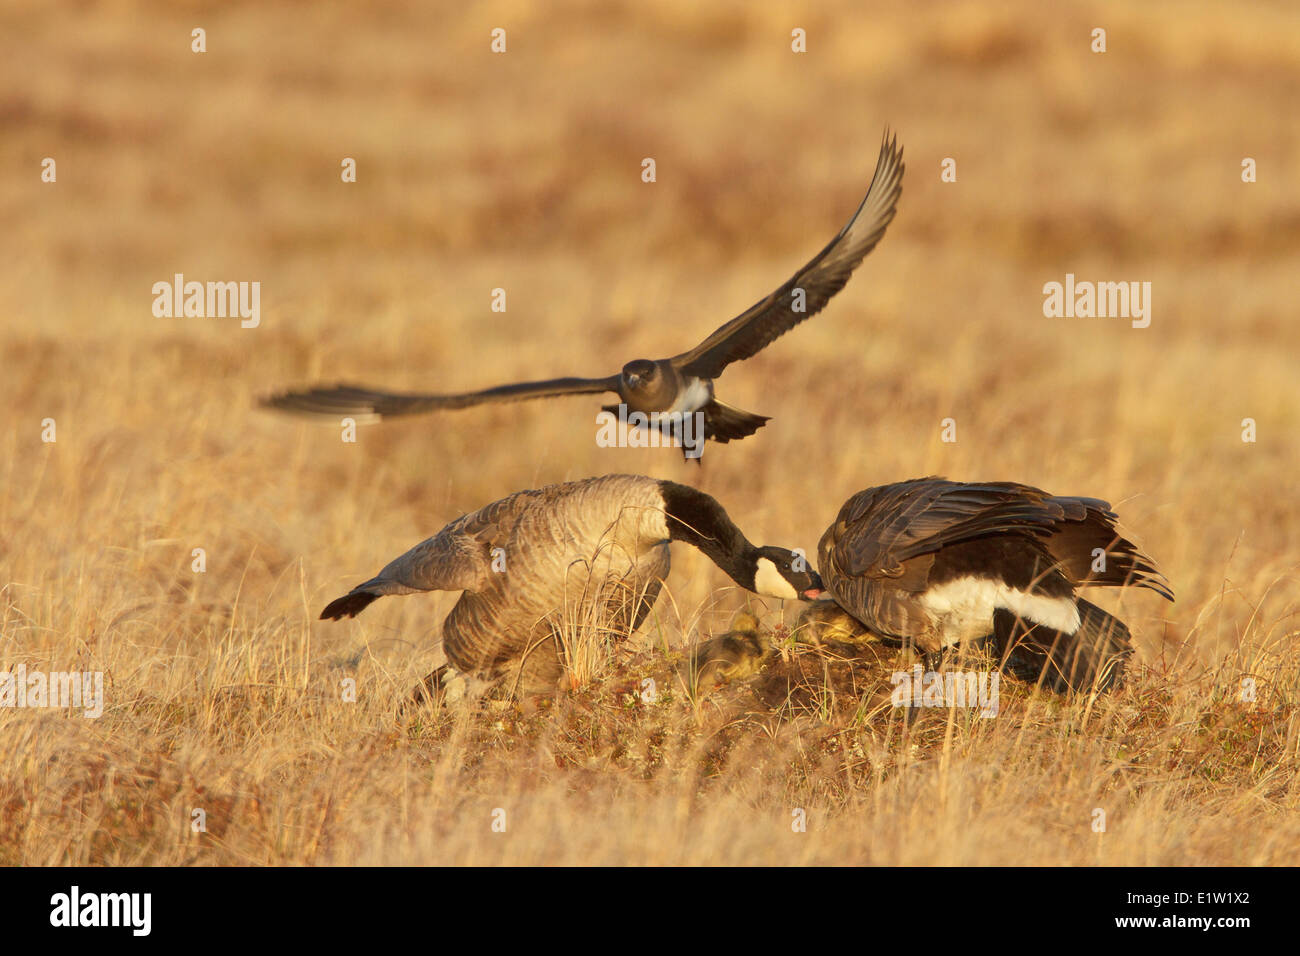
(724, 423)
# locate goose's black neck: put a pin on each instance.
(699, 520)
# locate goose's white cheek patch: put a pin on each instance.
(768, 581)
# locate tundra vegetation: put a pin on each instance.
(181, 542)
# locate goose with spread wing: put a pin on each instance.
(541, 566)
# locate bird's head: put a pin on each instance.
(641, 374)
(784, 574)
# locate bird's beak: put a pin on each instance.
(634, 381)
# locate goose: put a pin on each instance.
(934, 562)
(588, 554)
(671, 387)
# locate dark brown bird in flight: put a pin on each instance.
(682, 384)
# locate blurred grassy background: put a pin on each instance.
(522, 171)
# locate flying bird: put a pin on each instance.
(934, 563)
(676, 386)
(539, 567)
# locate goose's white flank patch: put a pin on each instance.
(768, 580)
(693, 397)
(968, 603)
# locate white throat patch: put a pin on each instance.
(768, 581)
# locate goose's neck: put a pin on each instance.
(699, 520)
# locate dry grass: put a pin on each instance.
(522, 171)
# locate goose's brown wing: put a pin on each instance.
(332, 401)
(880, 528)
(820, 279)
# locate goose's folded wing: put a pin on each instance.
(879, 529)
(333, 401)
(819, 280)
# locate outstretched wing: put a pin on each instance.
(333, 401)
(457, 558)
(819, 280)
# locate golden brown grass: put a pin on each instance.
(522, 171)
